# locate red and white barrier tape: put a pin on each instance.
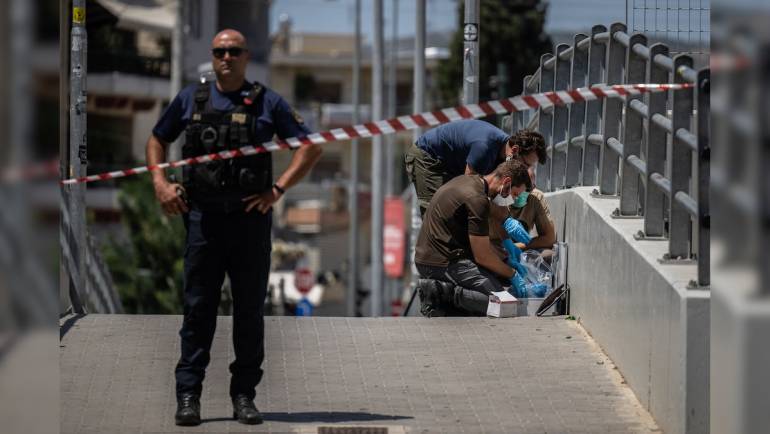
(407, 122)
(46, 169)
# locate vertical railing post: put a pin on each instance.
(596, 65)
(613, 107)
(704, 176)
(560, 120)
(656, 142)
(526, 115)
(545, 123)
(681, 166)
(577, 112)
(762, 89)
(636, 72)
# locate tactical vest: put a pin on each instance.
(211, 131)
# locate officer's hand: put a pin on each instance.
(170, 199)
(262, 201)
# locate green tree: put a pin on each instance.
(511, 32)
(147, 269)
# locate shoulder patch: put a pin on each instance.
(297, 116)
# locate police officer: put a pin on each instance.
(226, 207)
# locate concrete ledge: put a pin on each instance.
(641, 312)
(740, 355)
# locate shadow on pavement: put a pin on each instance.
(68, 323)
(317, 416)
(321, 416)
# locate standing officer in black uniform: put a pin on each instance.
(226, 206)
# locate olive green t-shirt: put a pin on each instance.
(458, 209)
(534, 213)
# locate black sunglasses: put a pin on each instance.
(219, 53)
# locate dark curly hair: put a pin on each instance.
(528, 141)
(517, 171)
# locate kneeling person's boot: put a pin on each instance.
(245, 411)
(188, 411)
(447, 292)
(430, 303)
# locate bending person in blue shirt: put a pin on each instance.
(466, 147)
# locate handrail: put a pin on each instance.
(632, 132)
(662, 182)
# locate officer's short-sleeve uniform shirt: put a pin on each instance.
(274, 115)
(458, 209)
(472, 142)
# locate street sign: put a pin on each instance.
(394, 237)
(470, 32)
(304, 308)
(303, 280)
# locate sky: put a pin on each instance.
(336, 16)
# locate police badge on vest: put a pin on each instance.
(210, 131)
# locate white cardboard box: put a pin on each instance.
(502, 305)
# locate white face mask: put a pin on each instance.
(503, 201)
(499, 200)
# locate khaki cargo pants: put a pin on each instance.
(426, 173)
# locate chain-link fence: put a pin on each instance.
(683, 25)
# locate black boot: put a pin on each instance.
(430, 298)
(245, 411)
(188, 410)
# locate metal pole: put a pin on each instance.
(577, 112)
(558, 160)
(390, 142)
(353, 188)
(613, 107)
(377, 156)
(704, 173)
(78, 155)
(177, 65)
(419, 63)
(391, 138)
(65, 6)
(632, 132)
(471, 52)
(419, 106)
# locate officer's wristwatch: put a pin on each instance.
(278, 187)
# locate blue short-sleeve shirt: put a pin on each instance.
(274, 115)
(472, 142)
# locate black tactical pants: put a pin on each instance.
(236, 243)
(474, 283)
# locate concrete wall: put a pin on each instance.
(641, 312)
(740, 355)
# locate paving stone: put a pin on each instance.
(415, 375)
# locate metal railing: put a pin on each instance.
(651, 150)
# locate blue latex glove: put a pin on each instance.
(516, 231)
(521, 270)
(514, 253)
(518, 286)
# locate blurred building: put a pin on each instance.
(314, 72)
(129, 62)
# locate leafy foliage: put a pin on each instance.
(510, 32)
(148, 269)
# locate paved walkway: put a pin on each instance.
(416, 375)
